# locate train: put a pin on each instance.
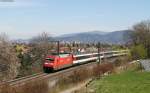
(55, 61)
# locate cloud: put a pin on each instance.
(20, 3)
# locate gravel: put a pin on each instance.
(145, 64)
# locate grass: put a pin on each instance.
(125, 82)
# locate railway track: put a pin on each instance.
(42, 76)
(50, 76)
(24, 79)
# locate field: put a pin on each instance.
(126, 82)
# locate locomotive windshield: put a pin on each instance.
(49, 59)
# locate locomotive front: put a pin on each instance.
(49, 64)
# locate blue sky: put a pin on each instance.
(27, 18)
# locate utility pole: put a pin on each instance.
(99, 49)
(58, 49)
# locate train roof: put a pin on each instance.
(60, 54)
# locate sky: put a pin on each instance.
(23, 19)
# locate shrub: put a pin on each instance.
(30, 87)
(8, 59)
(5, 88)
(138, 52)
(100, 69)
(75, 77)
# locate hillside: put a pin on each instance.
(116, 37)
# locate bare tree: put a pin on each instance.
(140, 35)
(42, 43)
(40, 48)
(8, 59)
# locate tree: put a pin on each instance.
(41, 44)
(32, 60)
(40, 48)
(140, 35)
(8, 58)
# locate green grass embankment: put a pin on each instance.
(125, 82)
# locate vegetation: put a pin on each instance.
(129, 80)
(21, 59)
(139, 39)
(138, 52)
(31, 87)
(65, 81)
(33, 58)
(126, 82)
(8, 60)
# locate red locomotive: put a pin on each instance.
(57, 61)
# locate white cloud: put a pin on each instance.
(20, 3)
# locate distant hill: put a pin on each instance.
(115, 37)
(20, 41)
(91, 32)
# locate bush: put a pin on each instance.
(100, 69)
(30, 87)
(76, 76)
(5, 88)
(121, 61)
(34, 87)
(8, 59)
(138, 52)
